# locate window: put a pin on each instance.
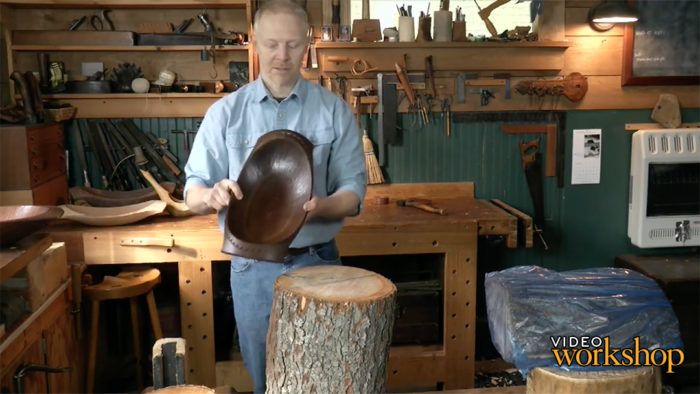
(505, 17)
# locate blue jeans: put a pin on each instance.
(252, 283)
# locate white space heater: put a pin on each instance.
(664, 194)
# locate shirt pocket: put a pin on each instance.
(322, 140)
(239, 148)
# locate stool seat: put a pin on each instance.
(126, 284)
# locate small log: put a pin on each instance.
(330, 331)
(628, 380)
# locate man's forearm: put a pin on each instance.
(339, 205)
(195, 200)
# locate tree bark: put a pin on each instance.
(330, 331)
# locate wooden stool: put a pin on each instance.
(128, 284)
(342, 319)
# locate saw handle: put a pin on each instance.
(528, 152)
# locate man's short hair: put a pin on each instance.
(281, 7)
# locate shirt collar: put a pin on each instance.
(261, 93)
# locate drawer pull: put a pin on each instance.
(166, 242)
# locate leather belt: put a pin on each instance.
(307, 249)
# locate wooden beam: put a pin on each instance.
(647, 126)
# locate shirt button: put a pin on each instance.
(279, 116)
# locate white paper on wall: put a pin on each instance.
(585, 158)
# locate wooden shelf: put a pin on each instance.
(139, 105)
(97, 96)
(134, 48)
(433, 44)
(197, 4)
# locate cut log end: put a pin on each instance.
(634, 380)
(336, 284)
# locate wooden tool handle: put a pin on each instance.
(425, 207)
(403, 79)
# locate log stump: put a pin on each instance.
(628, 380)
(330, 331)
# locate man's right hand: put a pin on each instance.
(204, 200)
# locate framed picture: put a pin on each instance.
(663, 47)
(326, 33)
(344, 33)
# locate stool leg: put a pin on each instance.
(92, 350)
(153, 314)
(133, 303)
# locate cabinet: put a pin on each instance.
(191, 63)
(44, 337)
(32, 165)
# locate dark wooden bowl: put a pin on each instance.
(18, 221)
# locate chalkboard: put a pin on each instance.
(663, 47)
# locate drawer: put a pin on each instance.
(47, 160)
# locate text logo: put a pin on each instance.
(596, 351)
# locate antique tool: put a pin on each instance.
(550, 131)
(388, 108)
(27, 102)
(574, 87)
(531, 160)
(98, 22)
(35, 93)
(186, 142)
(365, 29)
(486, 12)
(447, 113)
(361, 67)
(429, 72)
(422, 204)
(461, 79)
(486, 96)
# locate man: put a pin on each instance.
(279, 99)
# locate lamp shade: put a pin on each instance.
(603, 16)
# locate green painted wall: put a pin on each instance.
(586, 225)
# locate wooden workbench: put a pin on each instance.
(195, 242)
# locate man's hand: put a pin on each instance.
(218, 197)
(336, 206)
(204, 200)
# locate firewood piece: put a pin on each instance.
(634, 380)
(330, 331)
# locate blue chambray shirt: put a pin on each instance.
(234, 123)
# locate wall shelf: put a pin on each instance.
(131, 48)
(433, 44)
(126, 3)
(139, 105)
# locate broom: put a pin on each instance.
(374, 171)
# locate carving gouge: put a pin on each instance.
(423, 205)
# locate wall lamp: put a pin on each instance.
(605, 15)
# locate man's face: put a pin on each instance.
(280, 40)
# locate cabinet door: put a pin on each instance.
(61, 342)
(33, 382)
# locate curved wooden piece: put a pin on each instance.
(115, 198)
(175, 207)
(574, 87)
(112, 216)
(18, 221)
(126, 284)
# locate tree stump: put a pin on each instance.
(330, 331)
(628, 380)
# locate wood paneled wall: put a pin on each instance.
(596, 55)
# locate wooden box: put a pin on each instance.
(41, 278)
